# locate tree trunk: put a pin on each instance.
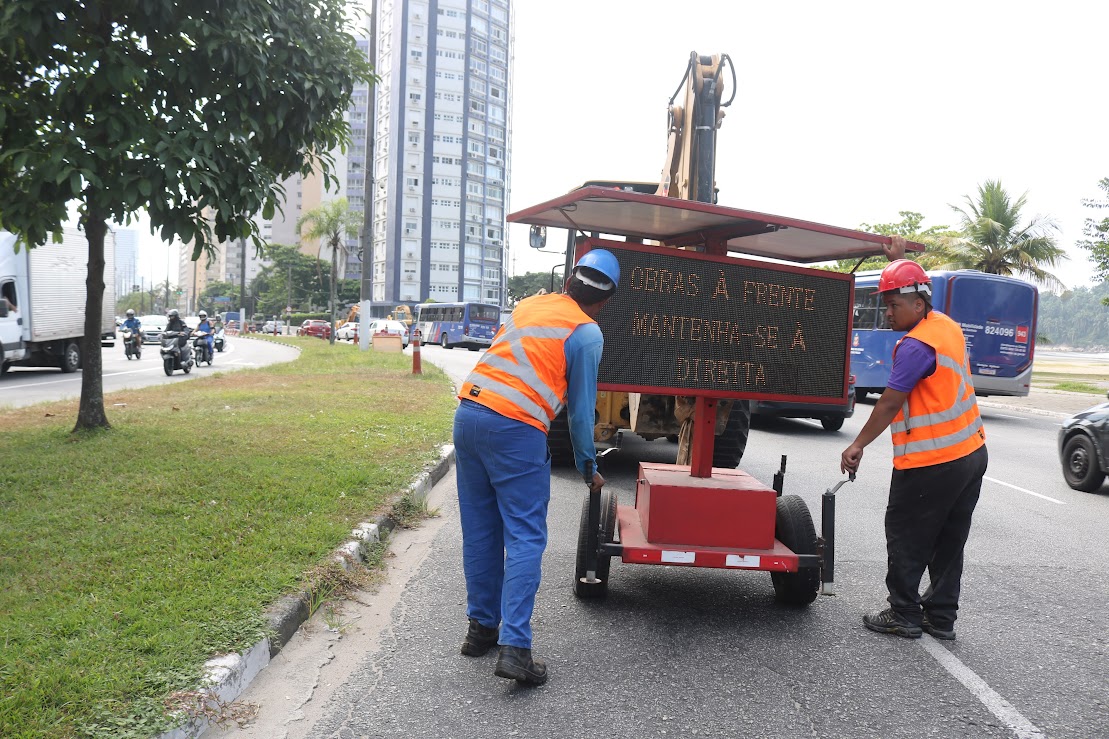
(334, 287)
(91, 412)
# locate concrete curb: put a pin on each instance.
(226, 677)
(1025, 409)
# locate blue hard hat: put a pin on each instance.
(602, 261)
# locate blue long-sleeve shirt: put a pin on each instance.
(583, 356)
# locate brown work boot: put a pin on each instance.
(479, 639)
(516, 663)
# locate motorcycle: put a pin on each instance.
(219, 340)
(176, 352)
(201, 350)
(132, 343)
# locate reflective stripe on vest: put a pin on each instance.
(509, 356)
(945, 397)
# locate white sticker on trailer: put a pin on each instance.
(742, 560)
(686, 558)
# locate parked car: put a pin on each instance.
(348, 331)
(315, 327)
(152, 328)
(274, 327)
(1083, 441)
(831, 417)
(384, 325)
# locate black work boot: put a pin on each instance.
(936, 632)
(479, 639)
(888, 622)
(516, 663)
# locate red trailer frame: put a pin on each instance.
(709, 518)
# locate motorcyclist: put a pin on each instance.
(176, 323)
(132, 323)
(204, 328)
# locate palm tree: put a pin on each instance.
(329, 223)
(992, 239)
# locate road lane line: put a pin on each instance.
(1021, 727)
(1029, 492)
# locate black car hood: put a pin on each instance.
(1090, 415)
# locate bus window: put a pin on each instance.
(870, 311)
(486, 313)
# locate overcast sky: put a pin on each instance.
(845, 112)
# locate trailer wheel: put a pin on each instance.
(604, 562)
(794, 528)
(558, 441)
(71, 357)
(727, 451)
(832, 423)
(1080, 466)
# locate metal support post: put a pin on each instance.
(704, 436)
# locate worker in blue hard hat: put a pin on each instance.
(544, 359)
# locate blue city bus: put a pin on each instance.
(471, 325)
(997, 315)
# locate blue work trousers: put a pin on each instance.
(504, 485)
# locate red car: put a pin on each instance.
(321, 329)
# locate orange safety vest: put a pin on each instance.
(939, 421)
(523, 374)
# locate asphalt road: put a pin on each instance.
(22, 386)
(696, 652)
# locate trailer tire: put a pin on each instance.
(794, 528)
(832, 423)
(71, 357)
(558, 441)
(1080, 465)
(604, 562)
(728, 448)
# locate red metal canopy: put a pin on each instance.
(675, 222)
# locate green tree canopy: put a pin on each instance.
(206, 299)
(291, 278)
(180, 109)
(1097, 234)
(530, 283)
(992, 238)
(909, 226)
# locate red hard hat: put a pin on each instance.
(904, 276)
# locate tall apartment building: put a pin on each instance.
(442, 148)
(127, 260)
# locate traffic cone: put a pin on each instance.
(416, 368)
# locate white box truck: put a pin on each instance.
(42, 300)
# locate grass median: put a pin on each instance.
(129, 557)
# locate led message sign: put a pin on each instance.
(683, 323)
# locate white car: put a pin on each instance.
(348, 331)
(383, 325)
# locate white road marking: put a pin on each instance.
(1002, 415)
(1021, 727)
(1029, 492)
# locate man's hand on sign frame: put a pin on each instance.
(895, 249)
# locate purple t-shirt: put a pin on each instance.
(913, 361)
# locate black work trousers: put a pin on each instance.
(927, 525)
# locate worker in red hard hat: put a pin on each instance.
(545, 358)
(939, 458)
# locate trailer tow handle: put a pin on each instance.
(828, 537)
